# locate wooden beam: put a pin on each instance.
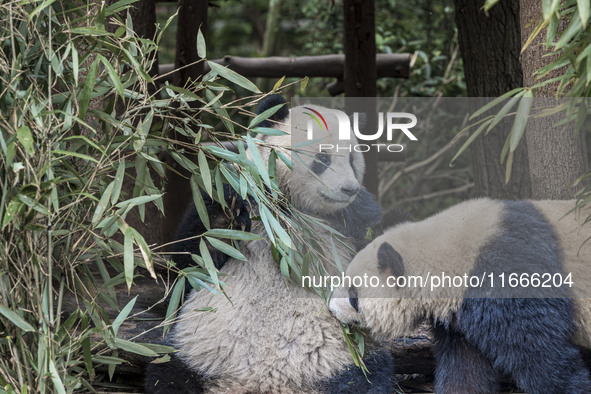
(387, 65)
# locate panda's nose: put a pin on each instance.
(350, 190)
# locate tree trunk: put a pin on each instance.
(557, 156)
(490, 45)
(360, 70)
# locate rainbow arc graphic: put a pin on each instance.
(316, 118)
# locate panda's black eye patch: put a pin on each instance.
(353, 299)
(390, 260)
(321, 163)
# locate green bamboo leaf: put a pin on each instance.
(40, 8)
(549, 7)
(304, 84)
(205, 172)
(575, 27)
(201, 49)
(208, 262)
(113, 75)
(123, 315)
(509, 167)
(24, 136)
(198, 201)
(134, 347)
(55, 378)
(232, 234)
(278, 83)
(174, 303)
(469, 141)
(88, 88)
(118, 182)
(280, 231)
(226, 249)
(258, 160)
(583, 6)
(75, 64)
(127, 204)
(501, 114)
(13, 207)
(233, 76)
(128, 260)
(520, 120)
(497, 101)
(73, 154)
(264, 115)
(16, 319)
(103, 203)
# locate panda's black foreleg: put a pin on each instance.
(173, 377)
(238, 217)
(351, 380)
(529, 339)
(461, 367)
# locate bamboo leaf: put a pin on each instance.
(198, 201)
(128, 260)
(549, 7)
(233, 76)
(118, 182)
(123, 315)
(258, 160)
(134, 347)
(225, 248)
(201, 49)
(583, 6)
(16, 319)
(103, 203)
(88, 88)
(205, 172)
(113, 75)
(469, 141)
(55, 378)
(24, 136)
(175, 301)
(264, 115)
(501, 114)
(278, 83)
(232, 234)
(208, 262)
(11, 210)
(520, 120)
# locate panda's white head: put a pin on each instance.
(321, 181)
(387, 311)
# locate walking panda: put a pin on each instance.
(269, 335)
(528, 332)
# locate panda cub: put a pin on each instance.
(267, 334)
(528, 333)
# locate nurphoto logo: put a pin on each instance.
(393, 123)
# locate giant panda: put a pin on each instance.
(267, 334)
(486, 331)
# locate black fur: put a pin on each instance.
(192, 225)
(173, 377)
(270, 102)
(528, 339)
(321, 163)
(357, 218)
(390, 260)
(353, 381)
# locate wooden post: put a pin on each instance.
(360, 70)
(192, 16)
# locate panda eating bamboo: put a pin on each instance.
(522, 329)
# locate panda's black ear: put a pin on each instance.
(362, 118)
(390, 260)
(270, 102)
